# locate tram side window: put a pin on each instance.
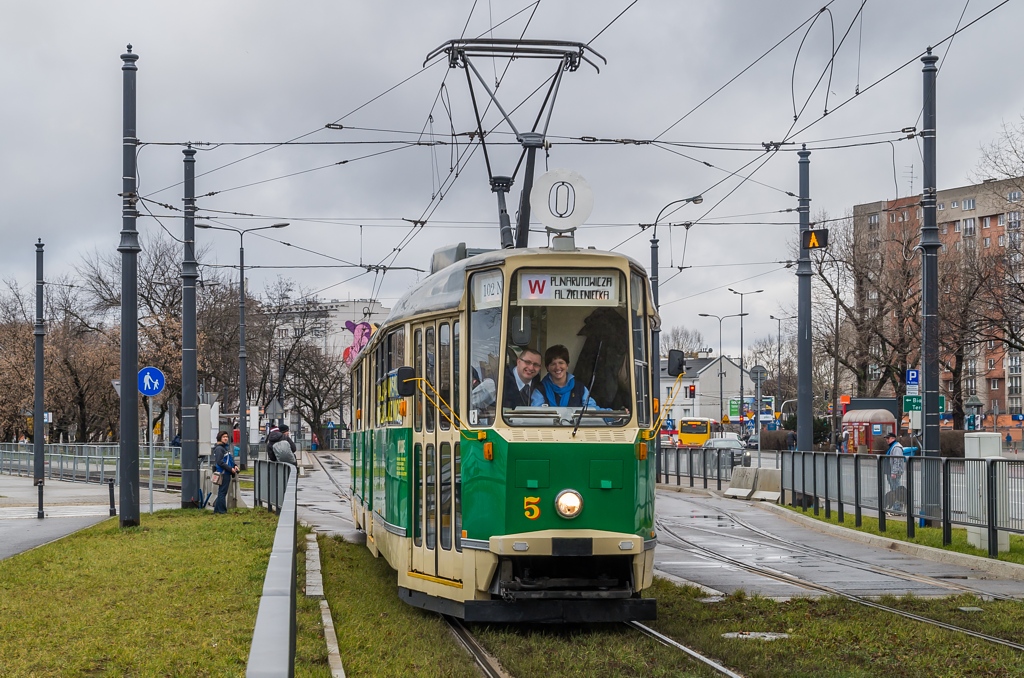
(357, 396)
(486, 291)
(446, 496)
(641, 371)
(444, 374)
(457, 477)
(455, 369)
(418, 400)
(431, 376)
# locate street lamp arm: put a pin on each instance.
(696, 200)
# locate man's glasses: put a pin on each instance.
(530, 363)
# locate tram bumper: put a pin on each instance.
(569, 576)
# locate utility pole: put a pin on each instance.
(804, 395)
(129, 249)
(189, 378)
(38, 449)
(930, 246)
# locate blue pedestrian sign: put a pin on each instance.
(330, 425)
(151, 381)
(913, 377)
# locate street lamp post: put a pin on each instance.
(721, 390)
(243, 396)
(778, 375)
(656, 333)
(742, 294)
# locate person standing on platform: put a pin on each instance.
(225, 465)
(896, 466)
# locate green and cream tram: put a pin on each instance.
(497, 513)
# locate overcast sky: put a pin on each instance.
(231, 72)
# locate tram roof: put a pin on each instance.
(444, 289)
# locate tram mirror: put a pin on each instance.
(676, 363)
(406, 385)
(520, 329)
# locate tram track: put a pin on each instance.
(849, 561)
(693, 654)
(484, 660)
(793, 580)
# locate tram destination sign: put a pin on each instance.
(912, 403)
(577, 287)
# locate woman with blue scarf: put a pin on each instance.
(560, 388)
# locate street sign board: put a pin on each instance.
(1017, 417)
(274, 409)
(758, 373)
(913, 377)
(913, 403)
(151, 381)
(330, 425)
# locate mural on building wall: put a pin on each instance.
(361, 333)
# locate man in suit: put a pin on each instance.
(522, 382)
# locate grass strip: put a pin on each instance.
(378, 635)
(896, 528)
(176, 595)
(833, 637)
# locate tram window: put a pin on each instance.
(357, 395)
(485, 363)
(446, 496)
(417, 505)
(396, 350)
(455, 369)
(431, 489)
(418, 400)
(431, 377)
(457, 492)
(641, 371)
(444, 374)
(580, 316)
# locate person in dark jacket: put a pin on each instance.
(280, 447)
(559, 386)
(225, 465)
(522, 382)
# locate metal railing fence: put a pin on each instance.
(977, 493)
(682, 464)
(172, 454)
(82, 468)
(272, 652)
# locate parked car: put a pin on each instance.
(752, 441)
(726, 444)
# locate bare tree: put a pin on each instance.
(682, 339)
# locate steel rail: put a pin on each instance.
(814, 586)
(665, 640)
(487, 663)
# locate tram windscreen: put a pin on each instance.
(568, 360)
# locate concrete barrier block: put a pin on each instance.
(769, 485)
(744, 480)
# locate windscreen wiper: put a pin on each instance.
(593, 375)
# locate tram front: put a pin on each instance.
(558, 484)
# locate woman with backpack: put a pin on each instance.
(225, 468)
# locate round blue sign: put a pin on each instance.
(151, 381)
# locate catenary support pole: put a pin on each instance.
(189, 378)
(804, 411)
(930, 246)
(243, 389)
(129, 249)
(38, 448)
(655, 352)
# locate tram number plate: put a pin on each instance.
(530, 508)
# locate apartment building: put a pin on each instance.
(978, 220)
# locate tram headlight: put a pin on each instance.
(569, 503)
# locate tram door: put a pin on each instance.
(435, 453)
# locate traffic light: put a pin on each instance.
(692, 390)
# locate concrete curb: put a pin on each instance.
(997, 568)
(315, 589)
(688, 490)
